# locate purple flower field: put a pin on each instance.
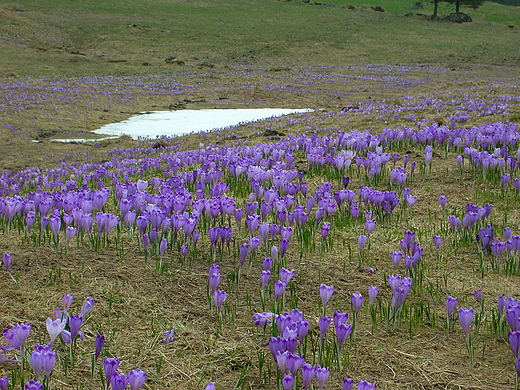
(371, 243)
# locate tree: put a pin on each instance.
(474, 4)
(435, 7)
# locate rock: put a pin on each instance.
(273, 133)
(417, 5)
(458, 17)
(175, 62)
(377, 9)
(205, 64)
(351, 7)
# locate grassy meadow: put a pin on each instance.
(408, 165)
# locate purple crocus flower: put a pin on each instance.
(118, 381)
(66, 302)
(370, 225)
(466, 318)
(214, 281)
(33, 385)
(36, 364)
(219, 297)
(110, 366)
(501, 304)
(451, 304)
(244, 250)
(323, 324)
(357, 301)
(343, 331)
(4, 383)
(8, 259)
(362, 240)
(294, 362)
(260, 319)
(326, 293)
(288, 382)
(364, 385)
(265, 276)
(396, 258)
(372, 294)
(286, 275)
(348, 383)
(478, 295)
(308, 372)
(49, 361)
(86, 308)
(17, 336)
(284, 246)
(438, 241)
(279, 289)
(54, 328)
(514, 342)
(340, 318)
(100, 342)
(322, 374)
(169, 336)
(267, 263)
(210, 386)
(75, 323)
(136, 379)
(214, 269)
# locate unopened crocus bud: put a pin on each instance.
(372, 294)
(362, 240)
(274, 252)
(100, 342)
(478, 295)
(162, 247)
(8, 259)
(501, 305)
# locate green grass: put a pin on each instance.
(245, 31)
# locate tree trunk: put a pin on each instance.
(435, 4)
(457, 6)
